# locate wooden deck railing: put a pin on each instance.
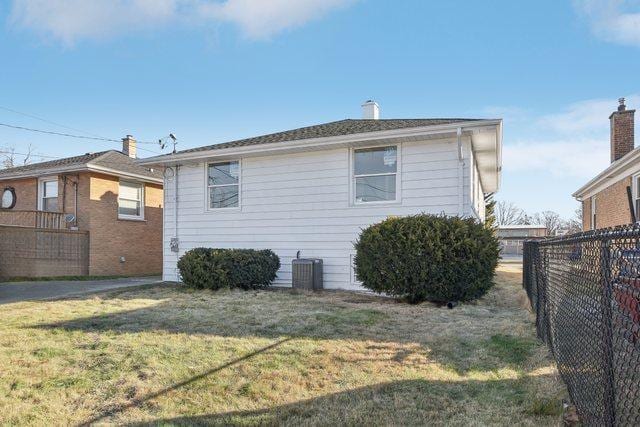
(34, 219)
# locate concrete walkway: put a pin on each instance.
(26, 291)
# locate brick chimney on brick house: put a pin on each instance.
(129, 147)
(621, 131)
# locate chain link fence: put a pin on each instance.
(585, 291)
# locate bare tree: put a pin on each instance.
(574, 224)
(9, 157)
(549, 219)
(507, 213)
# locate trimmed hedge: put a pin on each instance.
(207, 268)
(427, 257)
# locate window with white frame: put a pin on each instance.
(593, 212)
(636, 196)
(48, 199)
(223, 185)
(131, 200)
(375, 173)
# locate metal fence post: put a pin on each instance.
(606, 268)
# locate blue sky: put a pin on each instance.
(211, 71)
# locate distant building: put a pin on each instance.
(105, 196)
(512, 237)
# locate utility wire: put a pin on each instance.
(49, 121)
(32, 154)
(68, 135)
(64, 126)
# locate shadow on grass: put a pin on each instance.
(274, 314)
(141, 400)
(414, 402)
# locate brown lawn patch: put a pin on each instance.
(167, 355)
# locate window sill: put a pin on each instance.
(374, 204)
(131, 219)
(218, 210)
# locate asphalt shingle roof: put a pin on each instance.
(111, 159)
(341, 127)
(122, 163)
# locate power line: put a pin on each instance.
(48, 121)
(30, 154)
(64, 126)
(68, 135)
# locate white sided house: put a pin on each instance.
(312, 190)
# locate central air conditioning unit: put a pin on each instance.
(307, 273)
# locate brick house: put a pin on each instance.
(107, 195)
(613, 197)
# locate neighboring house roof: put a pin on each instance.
(486, 138)
(624, 167)
(341, 127)
(110, 162)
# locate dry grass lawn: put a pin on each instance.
(163, 355)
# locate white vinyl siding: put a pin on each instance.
(305, 202)
(636, 196)
(476, 191)
(131, 200)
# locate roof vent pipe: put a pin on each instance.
(370, 110)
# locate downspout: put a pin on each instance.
(64, 193)
(175, 202)
(460, 173)
(174, 243)
(75, 204)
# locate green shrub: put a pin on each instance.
(427, 257)
(206, 268)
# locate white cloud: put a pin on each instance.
(583, 158)
(571, 143)
(616, 21)
(584, 117)
(262, 19)
(69, 21)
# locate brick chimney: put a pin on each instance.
(129, 146)
(621, 131)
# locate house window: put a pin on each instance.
(48, 200)
(636, 196)
(9, 198)
(375, 174)
(131, 200)
(593, 212)
(223, 185)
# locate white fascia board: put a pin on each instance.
(317, 142)
(622, 168)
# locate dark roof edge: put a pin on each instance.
(199, 151)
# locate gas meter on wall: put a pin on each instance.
(174, 244)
